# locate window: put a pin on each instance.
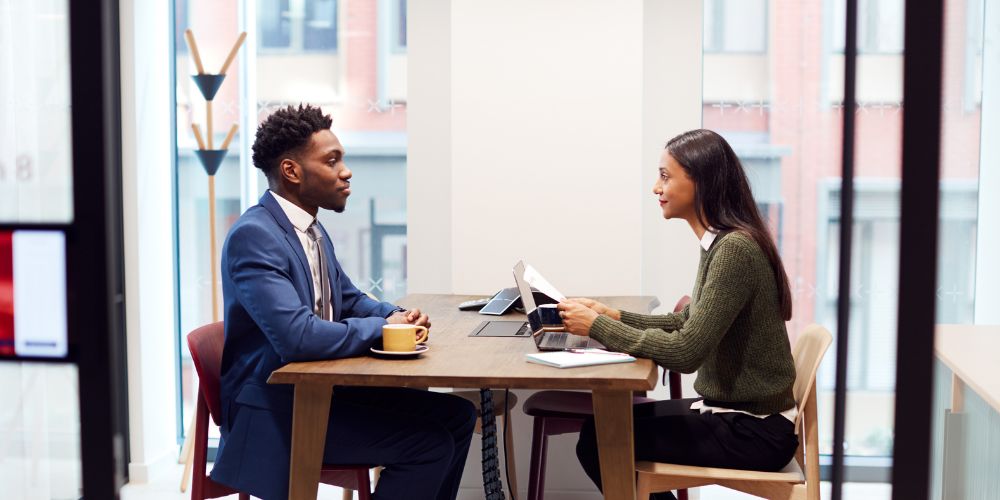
(880, 26)
(297, 25)
(735, 26)
(301, 37)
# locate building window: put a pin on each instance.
(880, 26)
(738, 26)
(297, 25)
(399, 25)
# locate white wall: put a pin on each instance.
(535, 129)
(149, 262)
(988, 237)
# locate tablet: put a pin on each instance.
(501, 302)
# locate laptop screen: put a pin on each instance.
(527, 299)
(523, 287)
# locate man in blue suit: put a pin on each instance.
(287, 299)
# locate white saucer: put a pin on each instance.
(402, 354)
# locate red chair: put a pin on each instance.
(206, 344)
(563, 412)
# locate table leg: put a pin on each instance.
(613, 418)
(310, 415)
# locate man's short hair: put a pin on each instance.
(285, 133)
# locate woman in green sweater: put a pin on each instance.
(732, 333)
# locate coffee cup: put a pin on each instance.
(402, 338)
(549, 315)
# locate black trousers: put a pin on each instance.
(421, 437)
(670, 432)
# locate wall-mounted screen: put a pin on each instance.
(33, 294)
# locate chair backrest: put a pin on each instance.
(681, 303)
(807, 354)
(205, 344)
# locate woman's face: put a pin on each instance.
(674, 189)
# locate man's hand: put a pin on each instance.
(415, 317)
(577, 317)
(398, 318)
(598, 307)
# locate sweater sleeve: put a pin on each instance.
(669, 321)
(725, 291)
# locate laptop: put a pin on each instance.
(547, 337)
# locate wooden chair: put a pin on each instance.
(563, 412)
(788, 484)
(206, 344)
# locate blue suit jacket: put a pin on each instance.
(268, 292)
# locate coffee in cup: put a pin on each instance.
(402, 338)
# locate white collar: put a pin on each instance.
(298, 217)
(708, 238)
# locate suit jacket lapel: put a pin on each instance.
(267, 201)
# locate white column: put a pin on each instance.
(149, 246)
(429, 154)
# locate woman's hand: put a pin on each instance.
(598, 307)
(577, 317)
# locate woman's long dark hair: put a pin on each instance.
(723, 199)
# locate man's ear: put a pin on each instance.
(290, 171)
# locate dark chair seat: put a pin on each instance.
(564, 412)
(565, 404)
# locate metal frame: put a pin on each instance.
(96, 304)
(846, 233)
(922, 85)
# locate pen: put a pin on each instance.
(595, 351)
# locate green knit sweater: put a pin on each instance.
(731, 333)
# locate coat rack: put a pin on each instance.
(211, 159)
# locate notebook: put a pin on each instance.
(578, 357)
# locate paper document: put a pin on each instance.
(578, 357)
(537, 281)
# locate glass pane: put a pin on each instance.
(367, 100)
(40, 431)
(36, 150)
(215, 28)
(966, 442)
(274, 24)
(320, 25)
(782, 110)
(735, 26)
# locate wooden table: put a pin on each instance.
(970, 352)
(456, 360)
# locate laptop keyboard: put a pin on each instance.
(564, 340)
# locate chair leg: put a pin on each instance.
(510, 457)
(643, 486)
(364, 485)
(187, 456)
(244, 496)
(348, 494)
(198, 450)
(536, 470)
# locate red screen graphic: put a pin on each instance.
(6, 294)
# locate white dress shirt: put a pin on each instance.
(706, 242)
(301, 220)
